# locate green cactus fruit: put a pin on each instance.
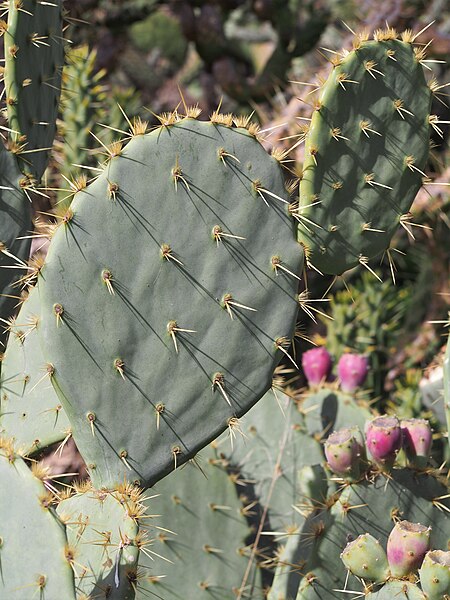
(366, 558)
(272, 442)
(34, 57)
(103, 530)
(31, 532)
(15, 223)
(345, 453)
(403, 590)
(366, 150)
(435, 575)
(200, 545)
(182, 317)
(30, 410)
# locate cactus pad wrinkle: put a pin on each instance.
(102, 534)
(367, 145)
(31, 412)
(145, 287)
(34, 53)
(30, 530)
(203, 532)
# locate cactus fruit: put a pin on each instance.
(34, 56)
(406, 547)
(30, 530)
(345, 452)
(366, 150)
(31, 412)
(352, 371)
(435, 575)
(316, 365)
(174, 368)
(417, 440)
(366, 558)
(383, 440)
(15, 223)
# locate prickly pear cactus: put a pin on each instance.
(165, 281)
(15, 222)
(30, 530)
(366, 150)
(447, 388)
(397, 589)
(31, 412)
(34, 57)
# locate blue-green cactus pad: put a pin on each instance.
(138, 254)
(365, 152)
(34, 55)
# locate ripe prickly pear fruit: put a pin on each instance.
(365, 557)
(407, 545)
(352, 371)
(383, 440)
(417, 439)
(344, 451)
(316, 365)
(435, 574)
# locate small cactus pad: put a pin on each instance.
(164, 284)
(200, 546)
(15, 222)
(365, 154)
(34, 55)
(30, 410)
(403, 590)
(103, 531)
(30, 530)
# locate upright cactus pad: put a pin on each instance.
(34, 55)
(30, 410)
(366, 150)
(15, 222)
(30, 530)
(164, 301)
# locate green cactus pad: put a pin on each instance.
(30, 410)
(366, 150)
(271, 431)
(31, 532)
(408, 495)
(397, 589)
(203, 532)
(15, 222)
(145, 292)
(34, 55)
(102, 528)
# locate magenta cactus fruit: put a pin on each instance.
(435, 575)
(406, 547)
(316, 365)
(365, 557)
(352, 371)
(417, 439)
(344, 452)
(383, 440)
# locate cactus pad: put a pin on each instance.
(397, 589)
(34, 54)
(164, 283)
(366, 150)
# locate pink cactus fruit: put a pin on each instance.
(383, 440)
(417, 439)
(406, 547)
(352, 371)
(344, 452)
(316, 365)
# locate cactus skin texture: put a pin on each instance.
(103, 529)
(30, 529)
(398, 589)
(30, 409)
(15, 222)
(417, 440)
(365, 557)
(367, 145)
(435, 575)
(344, 452)
(182, 325)
(34, 54)
(406, 547)
(383, 440)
